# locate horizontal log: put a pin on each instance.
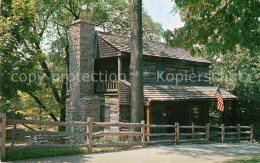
(21, 148)
(215, 126)
(160, 141)
(185, 134)
(231, 138)
(245, 138)
(226, 133)
(230, 127)
(118, 124)
(216, 133)
(245, 132)
(160, 134)
(96, 134)
(203, 127)
(199, 133)
(245, 126)
(37, 122)
(192, 140)
(27, 133)
(160, 126)
(190, 134)
(231, 133)
(116, 144)
(211, 137)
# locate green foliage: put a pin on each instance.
(34, 40)
(227, 33)
(38, 153)
(11, 107)
(105, 139)
(245, 159)
(238, 73)
(218, 25)
(109, 16)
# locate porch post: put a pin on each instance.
(223, 117)
(190, 113)
(148, 119)
(207, 112)
(119, 68)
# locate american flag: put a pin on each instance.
(220, 100)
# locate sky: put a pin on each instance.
(160, 10)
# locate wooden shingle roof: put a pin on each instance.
(150, 48)
(158, 92)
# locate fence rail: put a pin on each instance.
(180, 134)
(226, 134)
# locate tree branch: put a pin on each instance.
(72, 9)
(215, 15)
(41, 105)
(64, 26)
(54, 89)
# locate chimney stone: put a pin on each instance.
(82, 102)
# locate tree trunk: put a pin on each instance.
(136, 65)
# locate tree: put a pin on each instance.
(20, 47)
(34, 40)
(226, 32)
(220, 26)
(136, 69)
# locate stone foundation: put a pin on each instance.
(49, 139)
(110, 101)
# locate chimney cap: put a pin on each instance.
(83, 21)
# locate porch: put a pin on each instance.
(106, 86)
(166, 104)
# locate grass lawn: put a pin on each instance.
(255, 158)
(37, 153)
(53, 152)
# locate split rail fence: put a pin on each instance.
(180, 134)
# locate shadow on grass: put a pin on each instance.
(254, 158)
(206, 151)
(39, 153)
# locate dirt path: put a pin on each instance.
(168, 153)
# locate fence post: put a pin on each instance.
(192, 130)
(89, 131)
(143, 133)
(177, 130)
(238, 132)
(251, 134)
(13, 134)
(222, 133)
(207, 132)
(3, 137)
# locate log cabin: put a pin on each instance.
(176, 84)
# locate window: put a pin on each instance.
(160, 70)
(104, 113)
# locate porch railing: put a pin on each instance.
(106, 86)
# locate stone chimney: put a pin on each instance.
(82, 103)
